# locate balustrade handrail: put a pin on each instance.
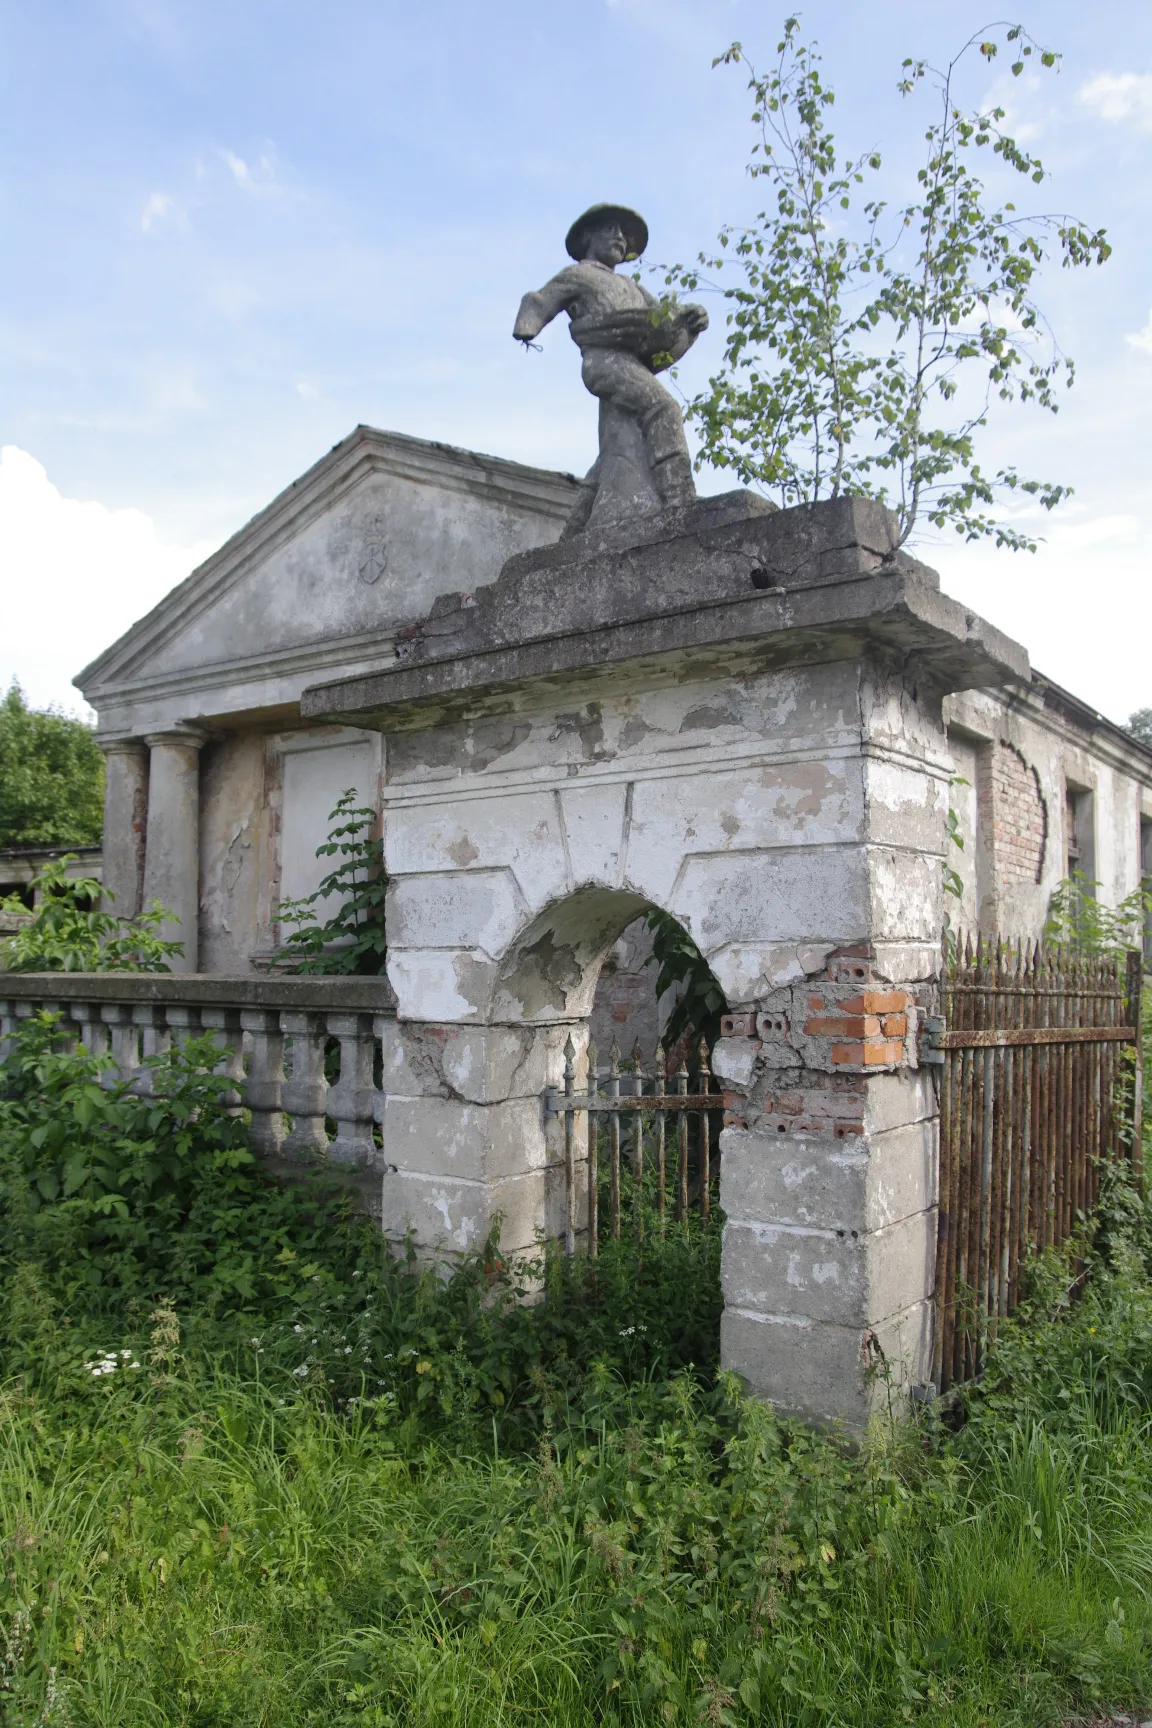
(301, 1054)
(350, 993)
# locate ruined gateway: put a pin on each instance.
(747, 717)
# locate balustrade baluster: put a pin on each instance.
(304, 1094)
(225, 1023)
(8, 1026)
(93, 1033)
(351, 1099)
(265, 1079)
(155, 1040)
(125, 1040)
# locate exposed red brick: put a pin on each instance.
(876, 1002)
(843, 1026)
(895, 1025)
(868, 1053)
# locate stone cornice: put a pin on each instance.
(543, 492)
(819, 582)
(1046, 704)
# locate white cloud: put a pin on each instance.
(256, 178)
(76, 575)
(157, 206)
(1070, 604)
(1120, 96)
(309, 391)
(1142, 338)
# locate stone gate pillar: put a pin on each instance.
(732, 714)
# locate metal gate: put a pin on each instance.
(1040, 1084)
(650, 1155)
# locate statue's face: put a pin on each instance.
(607, 245)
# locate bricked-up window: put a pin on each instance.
(1019, 816)
(1079, 832)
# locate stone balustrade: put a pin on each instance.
(276, 1039)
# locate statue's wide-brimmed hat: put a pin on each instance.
(632, 226)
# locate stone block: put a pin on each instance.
(594, 828)
(905, 896)
(760, 808)
(473, 909)
(800, 1366)
(827, 1373)
(469, 1142)
(801, 896)
(747, 971)
(447, 1215)
(906, 804)
(441, 984)
(520, 832)
(841, 1276)
(734, 1060)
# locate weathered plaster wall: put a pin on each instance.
(233, 850)
(1022, 755)
(734, 805)
(266, 799)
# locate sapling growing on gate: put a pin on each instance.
(867, 342)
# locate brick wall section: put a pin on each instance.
(1013, 816)
(844, 1021)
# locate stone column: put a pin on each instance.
(125, 821)
(172, 853)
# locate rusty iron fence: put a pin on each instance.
(1038, 1053)
(649, 1151)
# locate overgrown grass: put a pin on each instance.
(349, 1492)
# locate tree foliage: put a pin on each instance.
(1140, 725)
(866, 344)
(70, 932)
(51, 777)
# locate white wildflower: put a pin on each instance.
(297, 1329)
(301, 1373)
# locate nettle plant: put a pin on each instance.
(351, 939)
(866, 343)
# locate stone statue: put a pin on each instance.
(625, 336)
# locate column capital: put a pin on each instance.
(195, 736)
(126, 746)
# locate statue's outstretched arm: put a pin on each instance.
(539, 309)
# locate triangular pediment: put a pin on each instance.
(361, 543)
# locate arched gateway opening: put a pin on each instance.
(632, 1128)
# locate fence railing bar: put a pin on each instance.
(1038, 1092)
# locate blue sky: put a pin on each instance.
(234, 230)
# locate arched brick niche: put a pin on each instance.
(1016, 816)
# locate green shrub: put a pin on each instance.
(70, 932)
